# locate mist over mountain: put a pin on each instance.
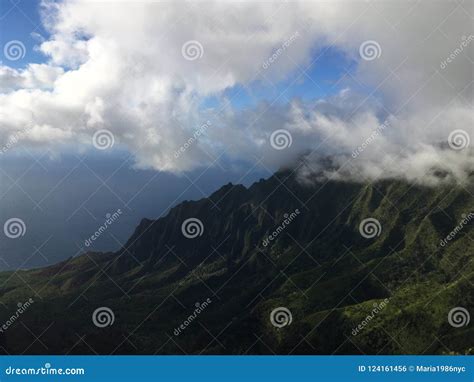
(328, 74)
(279, 267)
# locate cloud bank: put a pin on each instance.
(145, 70)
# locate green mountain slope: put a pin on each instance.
(398, 287)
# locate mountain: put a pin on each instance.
(284, 266)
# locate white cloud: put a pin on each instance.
(124, 71)
(35, 76)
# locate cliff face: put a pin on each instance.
(207, 277)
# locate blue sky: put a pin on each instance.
(21, 20)
(328, 75)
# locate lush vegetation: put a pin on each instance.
(318, 266)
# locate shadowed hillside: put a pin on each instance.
(173, 293)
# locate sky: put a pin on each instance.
(155, 93)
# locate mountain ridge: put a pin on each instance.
(319, 267)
